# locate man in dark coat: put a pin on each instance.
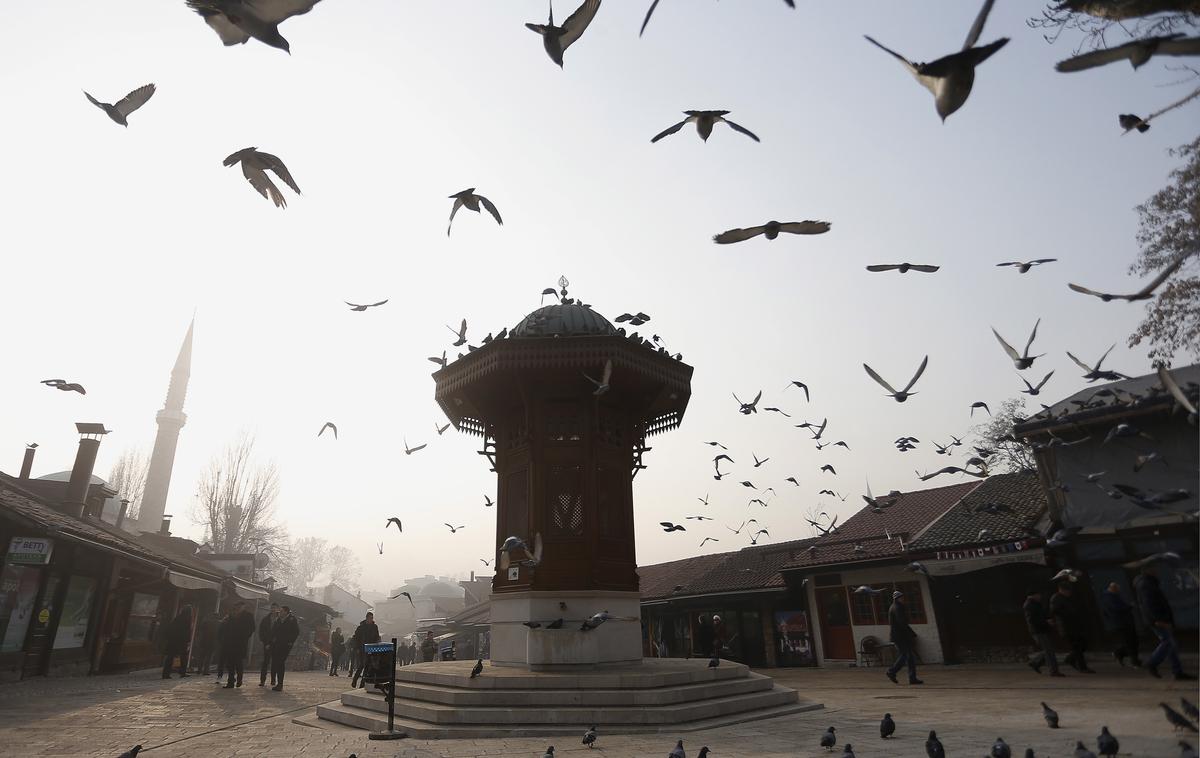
(904, 638)
(178, 639)
(239, 628)
(1039, 628)
(283, 636)
(206, 643)
(1119, 615)
(365, 634)
(1157, 612)
(337, 644)
(1068, 617)
(266, 630)
(704, 637)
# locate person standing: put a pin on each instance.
(1119, 615)
(1068, 618)
(178, 637)
(904, 638)
(239, 628)
(283, 636)
(1157, 612)
(1039, 628)
(206, 643)
(428, 648)
(704, 636)
(366, 633)
(337, 644)
(719, 637)
(266, 630)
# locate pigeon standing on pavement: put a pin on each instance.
(478, 669)
(678, 751)
(933, 746)
(887, 727)
(1106, 743)
(829, 739)
(589, 737)
(847, 751)
(120, 110)
(1000, 749)
(549, 752)
(1050, 715)
(131, 752)
(714, 662)
(1081, 751)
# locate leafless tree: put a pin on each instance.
(1106, 22)
(128, 478)
(235, 501)
(344, 568)
(996, 434)
(309, 557)
(1169, 227)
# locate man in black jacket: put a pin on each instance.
(1064, 609)
(1119, 615)
(283, 636)
(903, 636)
(1039, 628)
(239, 628)
(179, 635)
(366, 633)
(337, 644)
(1157, 612)
(266, 630)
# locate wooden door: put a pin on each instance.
(837, 636)
(39, 642)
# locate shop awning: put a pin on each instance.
(248, 591)
(189, 582)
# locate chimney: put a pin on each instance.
(27, 463)
(124, 510)
(81, 474)
(165, 529)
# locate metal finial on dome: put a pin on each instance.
(563, 283)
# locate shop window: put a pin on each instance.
(143, 619)
(914, 601)
(18, 591)
(76, 612)
(863, 610)
(867, 609)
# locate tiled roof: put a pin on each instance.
(961, 525)
(1142, 394)
(869, 536)
(745, 570)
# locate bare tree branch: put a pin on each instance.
(996, 434)
(235, 501)
(128, 478)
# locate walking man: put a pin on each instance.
(179, 635)
(1069, 619)
(1119, 615)
(1157, 612)
(366, 633)
(1039, 628)
(266, 630)
(337, 644)
(904, 638)
(206, 643)
(239, 628)
(283, 636)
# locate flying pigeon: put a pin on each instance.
(634, 319)
(980, 404)
(1021, 360)
(802, 386)
(1095, 373)
(903, 394)
(65, 386)
(747, 408)
(1145, 293)
(1031, 389)
(454, 529)
(596, 620)
(410, 450)
(602, 385)
(255, 165)
(704, 121)
(439, 361)
(331, 426)
(1024, 266)
(556, 39)
(708, 539)
(440, 429)
(669, 527)
(405, 594)
(236, 21)
(471, 201)
(363, 307)
(950, 78)
(120, 110)
(396, 521)
(771, 230)
(1137, 52)
(1176, 719)
(903, 268)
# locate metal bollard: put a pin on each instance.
(390, 696)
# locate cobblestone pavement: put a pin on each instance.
(968, 706)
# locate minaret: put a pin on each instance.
(170, 420)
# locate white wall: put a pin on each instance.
(929, 644)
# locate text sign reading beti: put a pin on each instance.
(30, 550)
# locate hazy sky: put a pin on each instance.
(112, 237)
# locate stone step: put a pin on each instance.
(594, 697)
(659, 672)
(502, 711)
(337, 713)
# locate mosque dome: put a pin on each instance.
(564, 320)
(440, 589)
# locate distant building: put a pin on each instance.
(346, 604)
(162, 459)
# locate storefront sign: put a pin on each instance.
(974, 559)
(33, 551)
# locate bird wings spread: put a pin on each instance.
(458, 203)
(879, 379)
(273, 163)
(916, 376)
(275, 11)
(735, 235)
(649, 13)
(215, 17)
(977, 27)
(882, 267)
(133, 100)
(492, 208)
(260, 181)
(1007, 347)
(1032, 336)
(577, 22)
(738, 128)
(912, 69)
(805, 227)
(669, 130)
